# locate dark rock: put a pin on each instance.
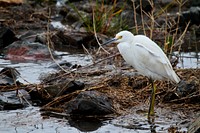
(8, 76)
(194, 3)
(74, 16)
(58, 89)
(90, 103)
(55, 89)
(198, 130)
(130, 21)
(60, 39)
(86, 7)
(41, 38)
(22, 50)
(28, 36)
(10, 106)
(7, 36)
(80, 5)
(66, 65)
(10, 101)
(146, 6)
(192, 16)
(73, 40)
(64, 11)
(73, 86)
(63, 64)
(184, 90)
(170, 96)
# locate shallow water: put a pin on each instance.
(189, 60)
(30, 119)
(31, 70)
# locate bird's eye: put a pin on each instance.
(119, 37)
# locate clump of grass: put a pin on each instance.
(106, 18)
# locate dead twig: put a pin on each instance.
(74, 70)
(49, 42)
(95, 34)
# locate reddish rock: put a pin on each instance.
(22, 50)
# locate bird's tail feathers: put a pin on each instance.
(175, 78)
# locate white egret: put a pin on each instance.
(147, 58)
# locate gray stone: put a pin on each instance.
(90, 103)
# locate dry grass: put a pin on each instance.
(127, 91)
(150, 26)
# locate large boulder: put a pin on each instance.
(7, 36)
(90, 103)
(23, 50)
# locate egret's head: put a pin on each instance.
(122, 36)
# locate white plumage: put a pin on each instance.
(147, 58)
